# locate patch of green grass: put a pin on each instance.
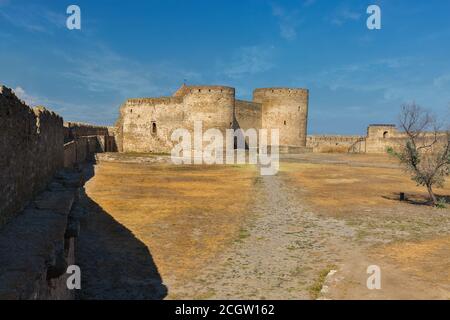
(442, 204)
(316, 287)
(243, 234)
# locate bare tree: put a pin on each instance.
(426, 152)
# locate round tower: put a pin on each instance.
(214, 105)
(285, 109)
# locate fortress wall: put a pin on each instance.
(248, 115)
(145, 125)
(74, 130)
(336, 144)
(213, 105)
(31, 144)
(81, 150)
(105, 135)
(39, 209)
(379, 145)
(287, 110)
(382, 137)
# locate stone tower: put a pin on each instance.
(287, 110)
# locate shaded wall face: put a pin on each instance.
(31, 144)
(248, 115)
(287, 112)
(74, 130)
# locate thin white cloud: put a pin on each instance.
(288, 21)
(343, 15)
(30, 100)
(103, 70)
(442, 81)
(32, 18)
(391, 81)
(247, 61)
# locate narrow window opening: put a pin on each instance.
(154, 129)
(386, 135)
(284, 122)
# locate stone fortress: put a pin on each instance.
(41, 157)
(146, 124)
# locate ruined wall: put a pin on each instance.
(336, 144)
(381, 137)
(81, 150)
(105, 135)
(146, 125)
(248, 115)
(31, 144)
(74, 130)
(287, 110)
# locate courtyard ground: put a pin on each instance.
(212, 232)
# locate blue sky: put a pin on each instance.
(147, 48)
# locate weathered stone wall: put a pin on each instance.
(248, 115)
(31, 144)
(336, 144)
(82, 149)
(38, 210)
(287, 110)
(74, 130)
(381, 137)
(105, 135)
(146, 125)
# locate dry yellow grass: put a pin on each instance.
(184, 214)
(341, 187)
(428, 259)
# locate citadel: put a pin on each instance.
(146, 124)
(41, 180)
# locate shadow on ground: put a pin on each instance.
(416, 199)
(114, 263)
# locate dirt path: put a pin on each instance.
(279, 254)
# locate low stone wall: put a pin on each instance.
(336, 144)
(82, 149)
(31, 144)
